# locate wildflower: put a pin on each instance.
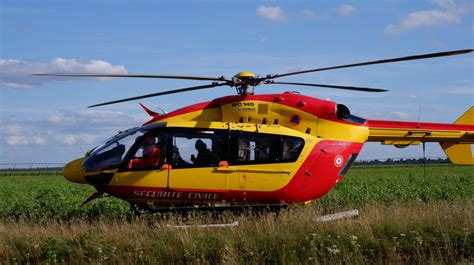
(333, 249)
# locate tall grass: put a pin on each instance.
(401, 233)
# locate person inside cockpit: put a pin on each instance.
(177, 160)
(205, 157)
(150, 156)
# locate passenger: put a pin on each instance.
(204, 157)
(178, 161)
(219, 147)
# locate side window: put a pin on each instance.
(291, 148)
(151, 153)
(251, 148)
(198, 149)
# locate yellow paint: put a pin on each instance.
(198, 178)
(273, 113)
(211, 114)
(243, 75)
(459, 153)
(342, 132)
(383, 134)
(147, 178)
(467, 117)
(401, 143)
(73, 171)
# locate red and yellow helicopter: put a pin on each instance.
(249, 150)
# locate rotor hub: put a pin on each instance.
(243, 80)
(245, 75)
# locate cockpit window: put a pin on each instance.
(110, 154)
(151, 153)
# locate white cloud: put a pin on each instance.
(468, 91)
(17, 140)
(38, 140)
(67, 128)
(307, 13)
(273, 13)
(444, 3)
(68, 139)
(17, 73)
(399, 115)
(449, 13)
(346, 10)
(409, 96)
(11, 129)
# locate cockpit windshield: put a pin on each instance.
(110, 154)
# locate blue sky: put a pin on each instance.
(46, 120)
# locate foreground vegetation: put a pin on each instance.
(406, 217)
(437, 232)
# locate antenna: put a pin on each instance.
(419, 114)
(424, 160)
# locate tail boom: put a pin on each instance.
(455, 139)
(397, 131)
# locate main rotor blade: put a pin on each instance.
(204, 78)
(365, 89)
(160, 94)
(407, 58)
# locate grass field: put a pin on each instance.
(406, 217)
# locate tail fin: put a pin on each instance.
(461, 153)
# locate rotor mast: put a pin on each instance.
(243, 81)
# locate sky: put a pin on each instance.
(46, 119)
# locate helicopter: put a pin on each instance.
(249, 150)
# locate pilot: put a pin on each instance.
(150, 155)
(204, 157)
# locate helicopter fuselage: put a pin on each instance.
(243, 150)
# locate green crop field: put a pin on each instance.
(408, 215)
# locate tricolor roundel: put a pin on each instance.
(295, 119)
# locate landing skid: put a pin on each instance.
(263, 208)
(325, 218)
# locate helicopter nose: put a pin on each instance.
(73, 171)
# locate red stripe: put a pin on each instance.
(317, 107)
(383, 124)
